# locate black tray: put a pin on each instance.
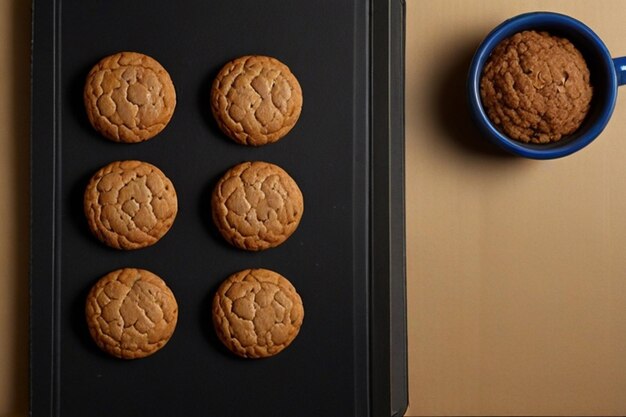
(346, 259)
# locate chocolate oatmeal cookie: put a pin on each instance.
(536, 87)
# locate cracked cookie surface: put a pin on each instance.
(256, 205)
(131, 313)
(536, 87)
(256, 100)
(130, 204)
(257, 313)
(129, 97)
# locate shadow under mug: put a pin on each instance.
(606, 75)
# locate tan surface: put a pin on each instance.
(14, 131)
(516, 268)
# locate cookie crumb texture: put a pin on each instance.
(257, 205)
(536, 87)
(131, 313)
(129, 97)
(257, 313)
(130, 204)
(256, 100)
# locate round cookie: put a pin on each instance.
(257, 313)
(130, 204)
(256, 100)
(129, 97)
(256, 205)
(536, 87)
(131, 313)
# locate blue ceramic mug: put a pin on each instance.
(606, 75)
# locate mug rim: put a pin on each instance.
(527, 21)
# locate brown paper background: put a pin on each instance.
(14, 183)
(516, 268)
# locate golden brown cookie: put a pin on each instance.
(131, 313)
(130, 204)
(257, 313)
(256, 100)
(129, 97)
(256, 205)
(536, 87)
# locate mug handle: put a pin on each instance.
(620, 69)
